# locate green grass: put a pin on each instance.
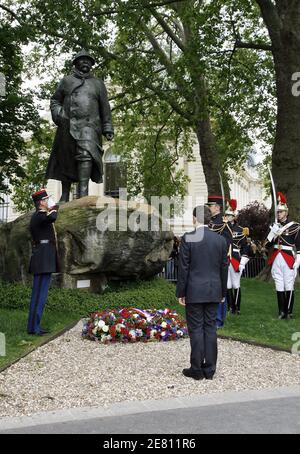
(13, 323)
(258, 322)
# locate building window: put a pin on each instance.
(114, 174)
(4, 207)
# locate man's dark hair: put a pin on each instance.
(202, 214)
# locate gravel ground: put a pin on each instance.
(70, 372)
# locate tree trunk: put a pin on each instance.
(286, 153)
(283, 22)
(209, 158)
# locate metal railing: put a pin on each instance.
(252, 270)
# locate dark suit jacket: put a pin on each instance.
(203, 267)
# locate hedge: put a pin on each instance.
(155, 293)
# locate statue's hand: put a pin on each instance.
(109, 136)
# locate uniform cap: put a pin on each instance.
(213, 199)
(40, 195)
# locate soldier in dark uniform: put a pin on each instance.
(284, 236)
(44, 259)
(81, 110)
(218, 225)
(238, 257)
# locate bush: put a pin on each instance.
(156, 293)
(257, 217)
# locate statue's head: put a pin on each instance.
(83, 61)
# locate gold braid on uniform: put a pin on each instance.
(296, 230)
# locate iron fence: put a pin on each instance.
(252, 270)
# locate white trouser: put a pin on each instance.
(234, 278)
(283, 275)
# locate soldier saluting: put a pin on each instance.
(238, 257)
(44, 259)
(285, 259)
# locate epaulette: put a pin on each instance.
(50, 212)
(246, 231)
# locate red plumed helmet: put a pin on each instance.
(231, 207)
(233, 204)
(282, 202)
(281, 198)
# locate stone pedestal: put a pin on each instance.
(95, 244)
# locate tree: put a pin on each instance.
(18, 115)
(257, 217)
(282, 21)
(34, 165)
(164, 54)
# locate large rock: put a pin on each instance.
(90, 253)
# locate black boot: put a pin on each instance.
(84, 173)
(66, 188)
(281, 304)
(229, 298)
(290, 299)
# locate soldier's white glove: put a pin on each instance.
(243, 263)
(51, 203)
(274, 232)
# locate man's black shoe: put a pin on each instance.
(41, 333)
(191, 374)
(209, 377)
(44, 331)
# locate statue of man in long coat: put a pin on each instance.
(81, 110)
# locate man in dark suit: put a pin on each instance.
(201, 286)
(44, 259)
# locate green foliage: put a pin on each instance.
(172, 67)
(156, 293)
(34, 167)
(18, 114)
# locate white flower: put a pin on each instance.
(164, 325)
(163, 333)
(132, 333)
(119, 326)
(153, 332)
(95, 330)
(101, 323)
(180, 333)
(105, 329)
(139, 332)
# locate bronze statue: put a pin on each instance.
(81, 110)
